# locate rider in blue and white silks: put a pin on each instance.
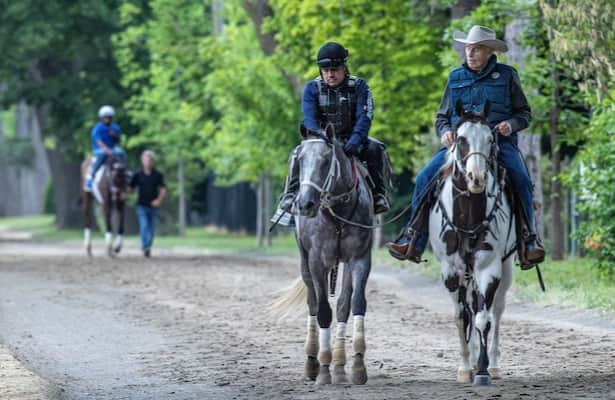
(106, 136)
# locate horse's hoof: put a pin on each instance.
(495, 373)
(324, 376)
(358, 374)
(89, 251)
(117, 249)
(464, 376)
(482, 380)
(311, 368)
(339, 375)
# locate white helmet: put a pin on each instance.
(106, 111)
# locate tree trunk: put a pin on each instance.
(557, 225)
(529, 143)
(66, 178)
(260, 194)
(27, 182)
(258, 11)
(181, 187)
(267, 209)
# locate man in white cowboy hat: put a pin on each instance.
(479, 79)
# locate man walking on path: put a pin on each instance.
(152, 191)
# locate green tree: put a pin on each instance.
(57, 57)
(576, 27)
(392, 45)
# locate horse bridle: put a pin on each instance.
(326, 197)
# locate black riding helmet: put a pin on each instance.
(331, 54)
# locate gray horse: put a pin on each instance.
(332, 186)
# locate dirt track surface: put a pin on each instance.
(194, 327)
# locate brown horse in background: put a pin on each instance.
(113, 188)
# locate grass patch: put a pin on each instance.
(571, 283)
(43, 229)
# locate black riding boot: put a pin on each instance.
(379, 170)
(292, 183)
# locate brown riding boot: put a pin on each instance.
(403, 247)
(533, 254)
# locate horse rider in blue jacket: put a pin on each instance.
(345, 101)
(479, 79)
(105, 136)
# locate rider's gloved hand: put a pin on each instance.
(353, 146)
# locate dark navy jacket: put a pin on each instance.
(498, 83)
(321, 105)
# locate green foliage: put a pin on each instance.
(16, 151)
(594, 180)
(583, 35)
(158, 53)
(258, 114)
(574, 27)
(392, 45)
(492, 13)
(58, 55)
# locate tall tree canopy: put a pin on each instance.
(57, 56)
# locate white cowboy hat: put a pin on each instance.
(481, 35)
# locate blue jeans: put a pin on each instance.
(509, 157)
(147, 225)
(99, 159)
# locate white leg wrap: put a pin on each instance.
(358, 337)
(339, 346)
(311, 342)
(341, 330)
(324, 339)
(108, 238)
(119, 239)
(87, 236)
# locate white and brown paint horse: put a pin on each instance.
(331, 185)
(113, 188)
(472, 234)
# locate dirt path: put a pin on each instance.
(193, 327)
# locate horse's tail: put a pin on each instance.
(289, 301)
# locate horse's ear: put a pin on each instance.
(330, 132)
(303, 131)
(459, 108)
(486, 109)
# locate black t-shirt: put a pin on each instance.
(149, 186)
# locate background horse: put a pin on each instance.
(331, 181)
(113, 187)
(472, 234)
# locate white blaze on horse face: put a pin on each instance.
(479, 140)
(313, 168)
